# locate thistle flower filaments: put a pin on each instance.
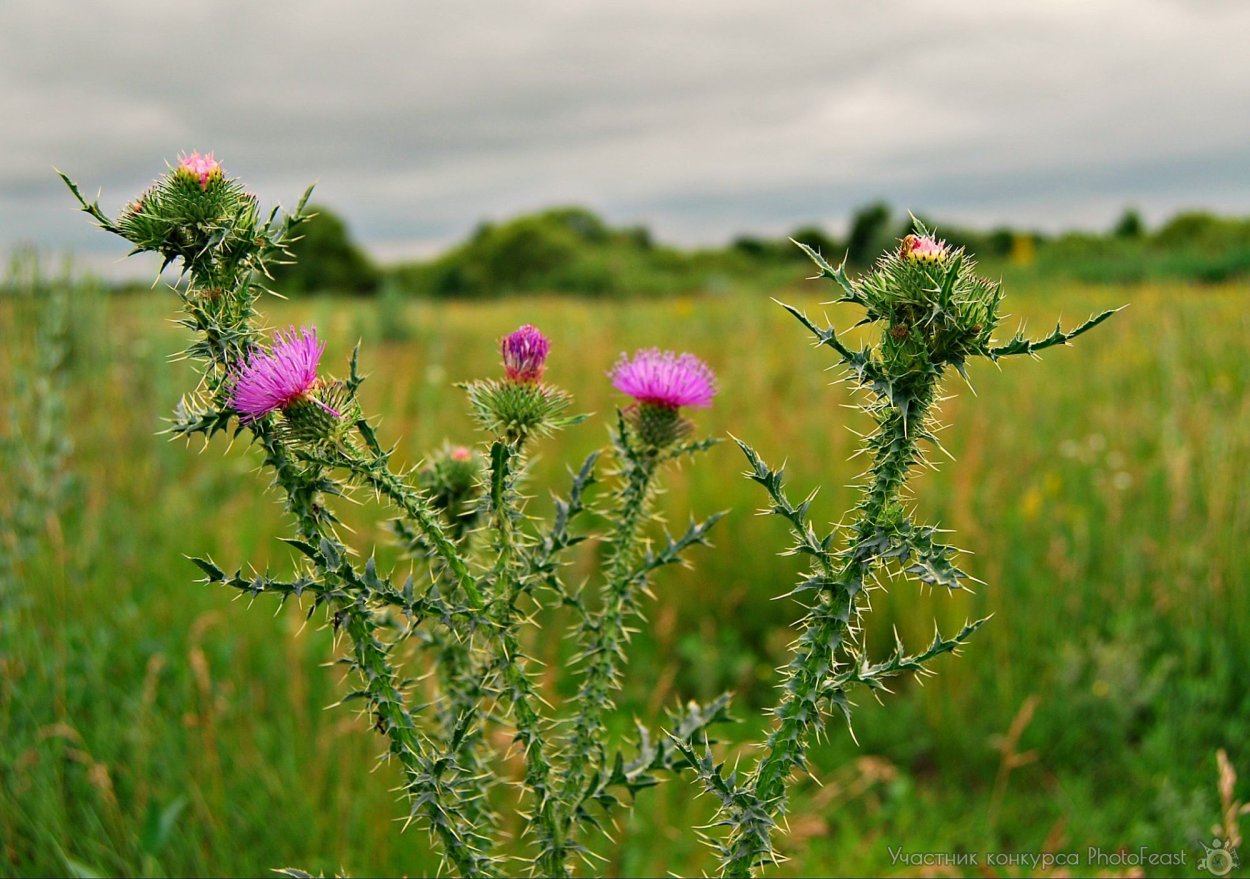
(922, 248)
(662, 382)
(201, 168)
(663, 378)
(280, 379)
(525, 354)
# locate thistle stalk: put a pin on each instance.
(809, 688)
(200, 217)
(432, 797)
(374, 472)
(515, 410)
(603, 633)
(650, 432)
(934, 313)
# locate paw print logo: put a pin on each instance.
(1218, 859)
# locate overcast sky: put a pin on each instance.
(702, 119)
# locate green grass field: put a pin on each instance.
(155, 726)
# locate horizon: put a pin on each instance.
(121, 267)
(702, 122)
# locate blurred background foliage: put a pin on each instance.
(573, 251)
(153, 726)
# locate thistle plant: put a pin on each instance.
(439, 654)
(932, 312)
(484, 569)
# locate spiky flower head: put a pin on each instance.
(923, 248)
(525, 354)
(280, 379)
(664, 379)
(521, 405)
(516, 410)
(661, 382)
(452, 480)
(189, 211)
(933, 306)
(199, 167)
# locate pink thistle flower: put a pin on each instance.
(665, 379)
(286, 375)
(203, 168)
(922, 248)
(525, 354)
(461, 454)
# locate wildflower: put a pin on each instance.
(280, 379)
(663, 378)
(525, 354)
(201, 168)
(461, 454)
(662, 382)
(923, 248)
(521, 405)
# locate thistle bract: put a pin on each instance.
(189, 212)
(525, 354)
(281, 379)
(517, 410)
(452, 480)
(935, 309)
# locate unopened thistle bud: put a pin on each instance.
(452, 480)
(525, 354)
(203, 169)
(183, 213)
(922, 248)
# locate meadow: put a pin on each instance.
(156, 726)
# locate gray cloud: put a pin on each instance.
(703, 119)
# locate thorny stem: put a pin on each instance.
(510, 661)
(604, 636)
(382, 479)
(815, 661)
(426, 787)
(219, 308)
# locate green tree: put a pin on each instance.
(869, 227)
(1129, 225)
(327, 259)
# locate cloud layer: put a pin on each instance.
(702, 119)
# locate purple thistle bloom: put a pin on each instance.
(664, 378)
(276, 380)
(525, 353)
